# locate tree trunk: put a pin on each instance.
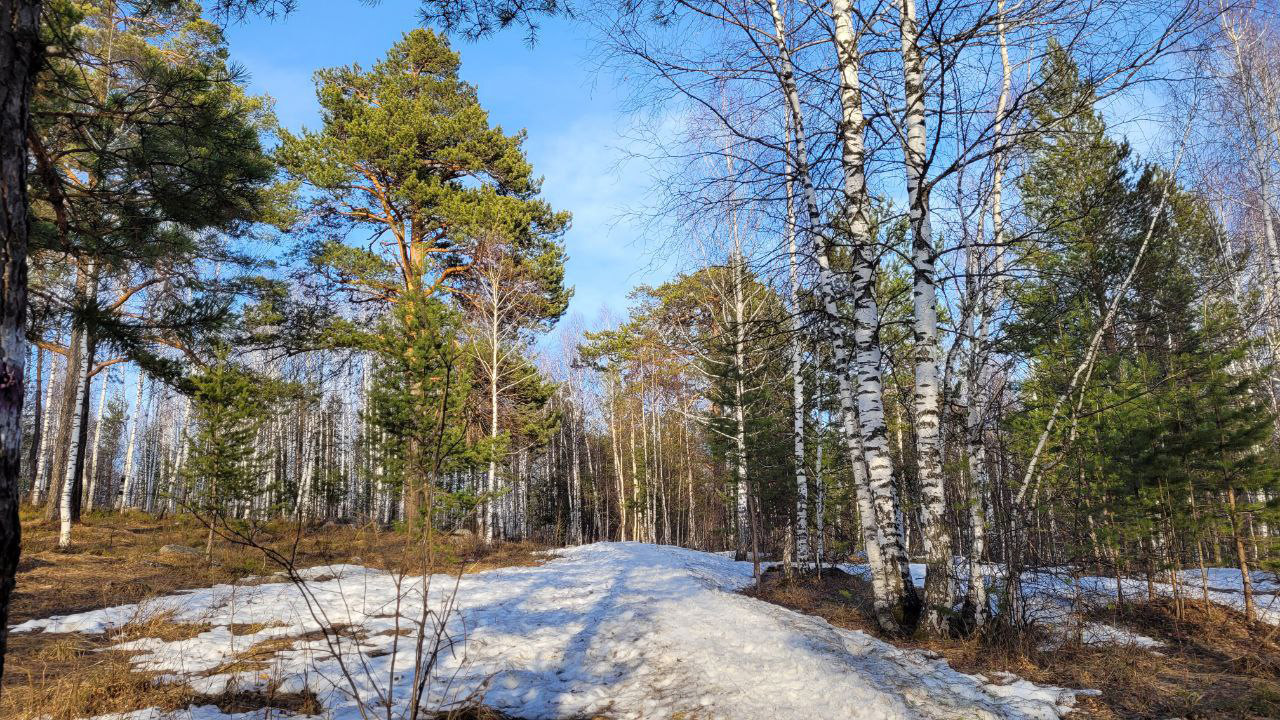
(895, 596)
(617, 464)
(739, 413)
(74, 460)
(128, 491)
(797, 378)
(68, 408)
(939, 595)
(575, 492)
(92, 470)
(1242, 556)
(81, 439)
(881, 540)
(985, 298)
(820, 510)
(37, 434)
(42, 472)
(19, 61)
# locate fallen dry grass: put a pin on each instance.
(115, 560)
(66, 676)
(1212, 663)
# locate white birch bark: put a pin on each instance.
(739, 412)
(873, 474)
(575, 492)
(1258, 141)
(92, 471)
(179, 459)
(938, 587)
(42, 470)
(987, 296)
(617, 459)
(127, 498)
(797, 379)
(492, 478)
(819, 509)
(69, 473)
(890, 572)
(692, 536)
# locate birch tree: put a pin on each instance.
(515, 287)
(939, 587)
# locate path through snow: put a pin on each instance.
(623, 630)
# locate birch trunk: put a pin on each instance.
(37, 431)
(797, 381)
(68, 407)
(42, 470)
(617, 463)
(492, 479)
(66, 501)
(179, 459)
(575, 492)
(637, 529)
(1257, 140)
(820, 509)
(894, 591)
(692, 532)
(92, 471)
(988, 295)
(939, 595)
(881, 539)
(739, 413)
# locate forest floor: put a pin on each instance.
(116, 559)
(1208, 663)
(608, 630)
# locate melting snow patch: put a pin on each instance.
(623, 630)
(203, 712)
(1103, 634)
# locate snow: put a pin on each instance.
(1225, 588)
(200, 712)
(623, 630)
(1050, 596)
(1096, 633)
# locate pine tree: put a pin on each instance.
(1169, 435)
(450, 205)
(147, 163)
(419, 403)
(406, 155)
(225, 467)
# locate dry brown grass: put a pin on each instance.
(65, 676)
(115, 560)
(1212, 665)
(838, 597)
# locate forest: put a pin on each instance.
(959, 390)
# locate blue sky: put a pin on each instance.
(577, 131)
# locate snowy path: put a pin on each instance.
(622, 630)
